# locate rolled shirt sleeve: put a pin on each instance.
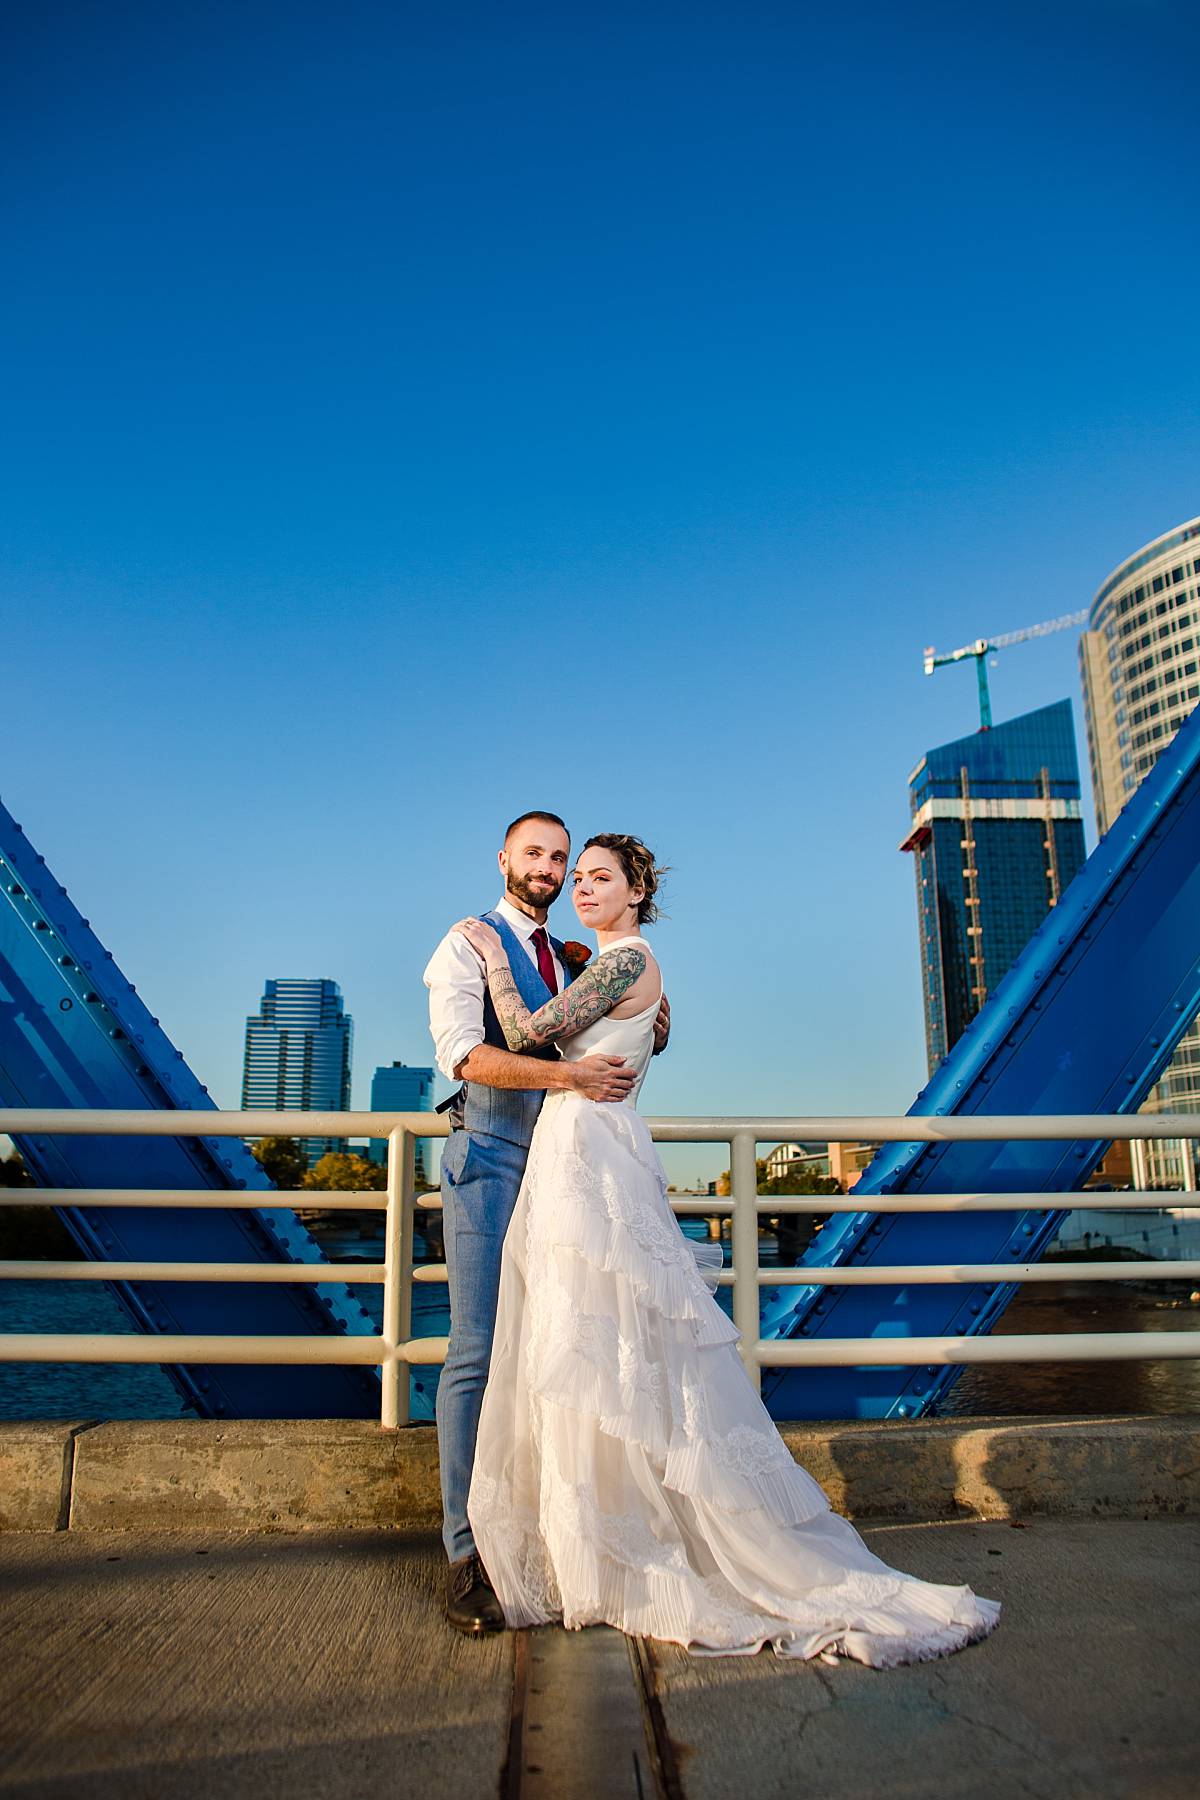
(455, 979)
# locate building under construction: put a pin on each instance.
(996, 837)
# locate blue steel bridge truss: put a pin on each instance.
(74, 1033)
(1085, 1021)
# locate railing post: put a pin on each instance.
(397, 1285)
(743, 1241)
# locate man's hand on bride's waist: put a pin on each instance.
(662, 1025)
(599, 1077)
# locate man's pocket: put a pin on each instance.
(482, 1180)
(454, 1157)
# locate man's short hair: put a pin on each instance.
(549, 817)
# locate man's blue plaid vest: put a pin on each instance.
(509, 1113)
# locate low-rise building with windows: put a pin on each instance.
(397, 1087)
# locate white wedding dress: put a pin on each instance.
(626, 1471)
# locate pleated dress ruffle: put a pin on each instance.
(626, 1471)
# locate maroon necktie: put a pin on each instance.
(545, 961)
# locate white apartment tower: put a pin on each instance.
(1140, 660)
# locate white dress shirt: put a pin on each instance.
(456, 980)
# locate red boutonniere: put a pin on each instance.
(575, 955)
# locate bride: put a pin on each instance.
(626, 1472)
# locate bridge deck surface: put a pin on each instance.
(237, 1664)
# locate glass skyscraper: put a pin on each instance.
(298, 1048)
(1140, 662)
(996, 837)
(398, 1088)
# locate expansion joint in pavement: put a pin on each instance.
(586, 1720)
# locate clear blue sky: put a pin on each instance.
(412, 415)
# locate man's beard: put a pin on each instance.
(533, 894)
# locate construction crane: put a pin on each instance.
(982, 648)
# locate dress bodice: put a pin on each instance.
(632, 1038)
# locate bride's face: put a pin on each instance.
(603, 897)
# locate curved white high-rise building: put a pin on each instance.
(1140, 659)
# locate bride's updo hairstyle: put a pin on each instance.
(637, 865)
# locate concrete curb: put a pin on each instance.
(293, 1474)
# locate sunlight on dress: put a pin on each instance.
(627, 1472)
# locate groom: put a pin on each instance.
(492, 1118)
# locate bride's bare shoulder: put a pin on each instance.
(635, 966)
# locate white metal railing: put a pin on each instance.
(394, 1350)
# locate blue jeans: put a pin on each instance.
(481, 1178)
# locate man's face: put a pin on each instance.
(534, 862)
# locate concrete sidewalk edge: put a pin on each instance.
(297, 1474)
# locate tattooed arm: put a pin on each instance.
(589, 997)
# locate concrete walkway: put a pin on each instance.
(159, 1666)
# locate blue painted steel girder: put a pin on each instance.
(1085, 1021)
(74, 1033)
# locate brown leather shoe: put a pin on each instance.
(471, 1603)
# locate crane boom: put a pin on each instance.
(982, 648)
(1036, 631)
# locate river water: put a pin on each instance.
(111, 1391)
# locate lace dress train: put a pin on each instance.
(626, 1471)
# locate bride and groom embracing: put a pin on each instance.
(604, 1455)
